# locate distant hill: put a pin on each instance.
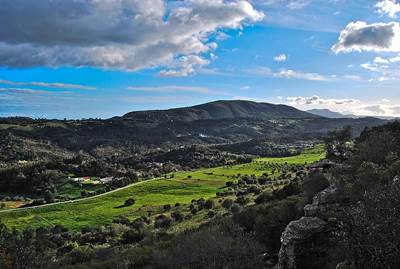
(221, 110)
(328, 113)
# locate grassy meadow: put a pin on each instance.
(150, 195)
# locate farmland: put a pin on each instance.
(150, 195)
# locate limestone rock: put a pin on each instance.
(304, 244)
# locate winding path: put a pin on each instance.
(78, 200)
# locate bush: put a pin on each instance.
(235, 208)
(209, 204)
(129, 202)
(167, 207)
(194, 211)
(177, 216)
(214, 246)
(264, 198)
(242, 200)
(287, 190)
(314, 183)
(227, 203)
(254, 189)
(162, 222)
(211, 214)
(133, 236)
(262, 180)
(372, 228)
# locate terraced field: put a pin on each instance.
(150, 195)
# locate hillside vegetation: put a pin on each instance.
(180, 187)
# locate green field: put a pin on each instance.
(149, 195)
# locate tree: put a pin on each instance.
(49, 197)
(129, 202)
(336, 143)
(314, 183)
(209, 204)
(227, 203)
(372, 229)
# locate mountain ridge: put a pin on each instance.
(222, 109)
(327, 113)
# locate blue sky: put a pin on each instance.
(105, 58)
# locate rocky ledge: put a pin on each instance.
(306, 243)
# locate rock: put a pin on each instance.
(304, 244)
(326, 204)
(307, 242)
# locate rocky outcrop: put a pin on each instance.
(301, 244)
(306, 243)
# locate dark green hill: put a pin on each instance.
(221, 110)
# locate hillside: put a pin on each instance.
(221, 110)
(327, 113)
(36, 156)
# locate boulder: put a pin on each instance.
(304, 244)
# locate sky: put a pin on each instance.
(104, 58)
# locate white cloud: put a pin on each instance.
(389, 7)
(346, 106)
(317, 100)
(184, 66)
(55, 85)
(22, 91)
(280, 58)
(291, 74)
(288, 74)
(360, 36)
(380, 60)
(383, 69)
(116, 34)
(290, 4)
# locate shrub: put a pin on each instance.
(264, 198)
(129, 202)
(214, 246)
(211, 214)
(177, 216)
(229, 184)
(242, 200)
(314, 183)
(227, 203)
(209, 204)
(194, 211)
(262, 180)
(235, 208)
(133, 236)
(162, 222)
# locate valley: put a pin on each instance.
(151, 195)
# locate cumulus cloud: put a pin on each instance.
(55, 85)
(360, 36)
(280, 58)
(389, 7)
(317, 100)
(117, 34)
(346, 106)
(383, 69)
